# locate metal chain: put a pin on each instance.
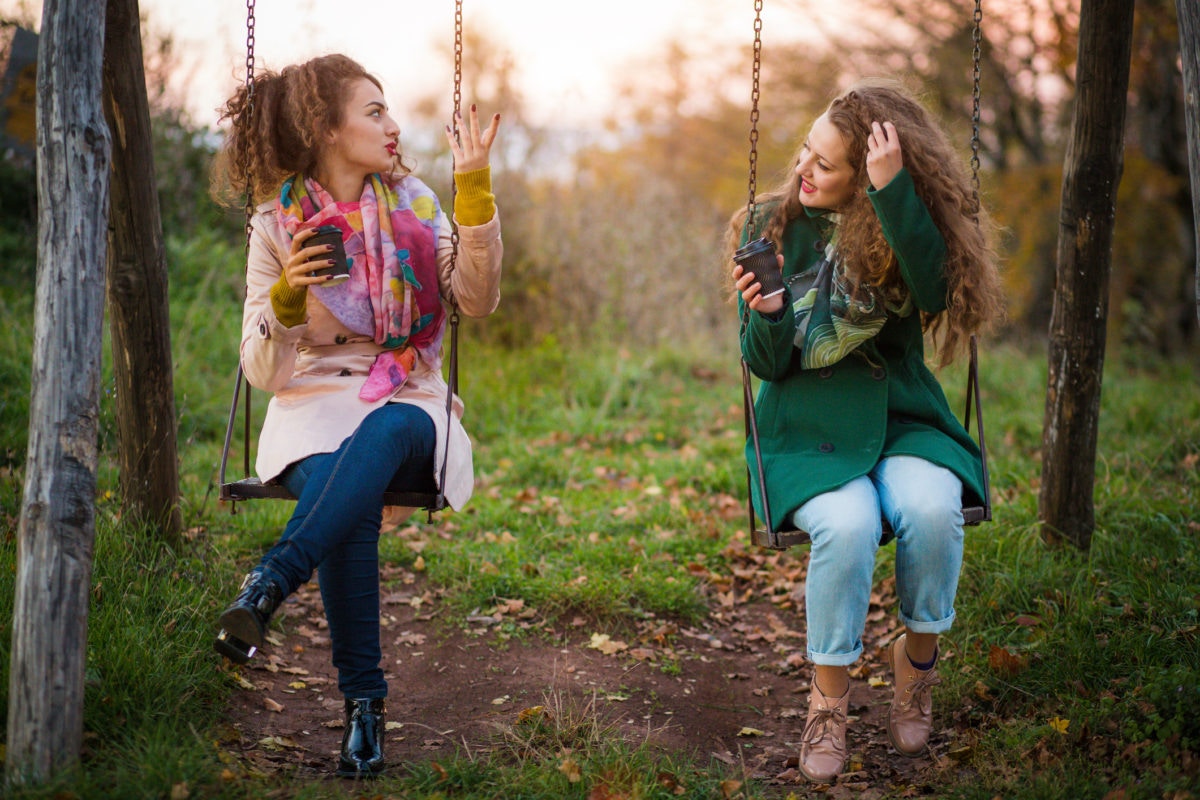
(976, 55)
(454, 115)
(249, 112)
(754, 95)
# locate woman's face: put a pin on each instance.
(826, 177)
(366, 141)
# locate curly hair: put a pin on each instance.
(975, 299)
(278, 124)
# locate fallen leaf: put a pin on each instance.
(730, 788)
(180, 791)
(271, 705)
(277, 743)
(607, 645)
(532, 713)
(750, 732)
(571, 769)
(670, 783)
(1004, 662)
(1060, 724)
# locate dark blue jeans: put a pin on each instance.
(335, 530)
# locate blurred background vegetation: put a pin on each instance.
(616, 237)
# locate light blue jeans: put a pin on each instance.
(923, 504)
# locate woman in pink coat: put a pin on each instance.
(358, 401)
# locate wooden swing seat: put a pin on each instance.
(972, 515)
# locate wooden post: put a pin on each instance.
(1091, 173)
(57, 528)
(138, 307)
(1189, 49)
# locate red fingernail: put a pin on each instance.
(472, 106)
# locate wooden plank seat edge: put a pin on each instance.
(791, 537)
(255, 489)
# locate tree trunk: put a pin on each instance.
(138, 307)
(1189, 48)
(1091, 172)
(57, 528)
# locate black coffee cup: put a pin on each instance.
(340, 270)
(758, 257)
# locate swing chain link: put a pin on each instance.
(249, 111)
(976, 56)
(454, 115)
(754, 96)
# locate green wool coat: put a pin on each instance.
(821, 428)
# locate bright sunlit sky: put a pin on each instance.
(570, 56)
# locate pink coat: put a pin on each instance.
(314, 370)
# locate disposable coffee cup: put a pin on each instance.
(758, 257)
(340, 270)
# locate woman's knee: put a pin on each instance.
(399, 424)
(929, 516)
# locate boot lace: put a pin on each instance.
(920, 691)
(822, 725)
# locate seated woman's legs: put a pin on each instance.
(340, 491)
(923, 503)
(339, 500)
(844, 528)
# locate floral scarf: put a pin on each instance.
(835, 314)
(392, 295)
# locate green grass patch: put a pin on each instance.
(610, 484)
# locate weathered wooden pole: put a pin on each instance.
(57, 527)
(1091, 173)
(1189, 49)
(139, 316)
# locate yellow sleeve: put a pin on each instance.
(474, 203)
(291, 306)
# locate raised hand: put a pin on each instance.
(473, 151)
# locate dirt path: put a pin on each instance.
(735, 691)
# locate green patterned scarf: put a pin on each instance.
(835, 314)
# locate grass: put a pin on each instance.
(603, 475)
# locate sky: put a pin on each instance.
(568, 54)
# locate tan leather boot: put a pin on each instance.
(823, 743)
(911, 714)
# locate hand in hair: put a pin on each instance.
(884, 159)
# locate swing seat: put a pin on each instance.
(254, 489)
(791, 536)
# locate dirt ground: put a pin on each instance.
(734, 691)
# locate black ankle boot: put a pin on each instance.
(362, 743)
(244, 623)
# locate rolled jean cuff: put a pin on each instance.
(937, 626)
(835, 659)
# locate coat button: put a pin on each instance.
(879, 373)
(825, 372)
(825, 447)
(262, 329)
(819, 246)
(345, 373)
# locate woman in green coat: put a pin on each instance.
(881, 243)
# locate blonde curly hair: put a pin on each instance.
(975, 299)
